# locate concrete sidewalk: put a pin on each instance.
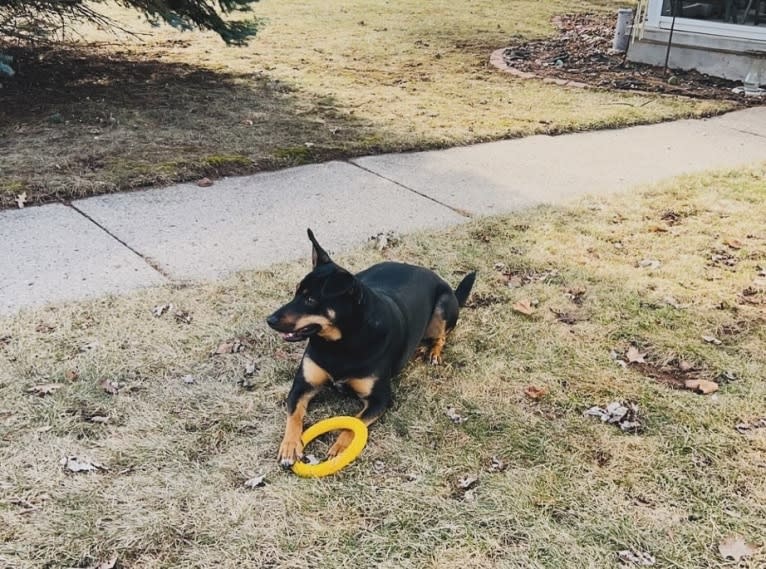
(115, 243)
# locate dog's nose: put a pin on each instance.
(272, 320)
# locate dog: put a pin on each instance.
(362, 330)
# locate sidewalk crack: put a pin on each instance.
(457, 210)
(148, 260)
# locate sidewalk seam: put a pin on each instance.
(751, 133)
(461, 212)
(148, 260)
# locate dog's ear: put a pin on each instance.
(338, 283)
(318, 255)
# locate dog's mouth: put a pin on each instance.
(301, 334)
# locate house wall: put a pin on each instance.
(715, 55)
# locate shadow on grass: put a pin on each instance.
(78, 121)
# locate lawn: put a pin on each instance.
(674, 275)
(322, 80)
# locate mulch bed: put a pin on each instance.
(581, 55)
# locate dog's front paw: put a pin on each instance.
(290, 451)
(341, 444)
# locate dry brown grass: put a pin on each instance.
(575, 491)
(348, 79)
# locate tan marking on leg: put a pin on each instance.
(313, 374)
(291, 448)
(363, 386)
(328, 331)
(345, 437)
(437, 331)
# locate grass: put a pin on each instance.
(322, 80)
(575, 491)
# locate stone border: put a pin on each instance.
(497, 60)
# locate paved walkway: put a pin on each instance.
(116, 243)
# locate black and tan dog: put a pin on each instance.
(362, 330)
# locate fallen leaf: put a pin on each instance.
(183, 317)
(703, 386)
(640, 558)
(205, 182)
(752, 425)
(524, 307)
(251, 367)
(74, 464)
(454, 416)
(71, 375)
(733, 243)
(624, 415)
(658, 229)
(21, 200)
(712, 340)
(110, 386)
(534, 392)
(90, 346)
(161, 309)
(188, 379)
(229, 347)
(634, 356)
(467, 482)
(496, 465)
(45, 389)
(108, 564)
(735, 547)
(256, 482)
(649, 264)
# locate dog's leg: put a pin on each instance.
(443, 320)
(376, 396)
(308, 379)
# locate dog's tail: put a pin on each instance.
(464, 288)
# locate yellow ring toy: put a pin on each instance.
(339, 462)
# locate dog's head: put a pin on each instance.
(323, 301)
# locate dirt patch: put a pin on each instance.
(580, 55)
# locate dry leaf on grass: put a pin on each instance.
(735, 547)
(74, 464)
(183, 317)
(229, 347)
(256, 482)
(496, 465)
(624, 415)
(45, 389)
(733, 243)
(639, 558)
(454, 416)
(634, 356)
(21, 200)
(467, 482)
(204, 182)
(712, 340)
(703, 386)
(161, 309)
(649, 264)
(110, 386)
(658, 229)
(524, 307)
(752, 425)
(534, 392)
(251, 367)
